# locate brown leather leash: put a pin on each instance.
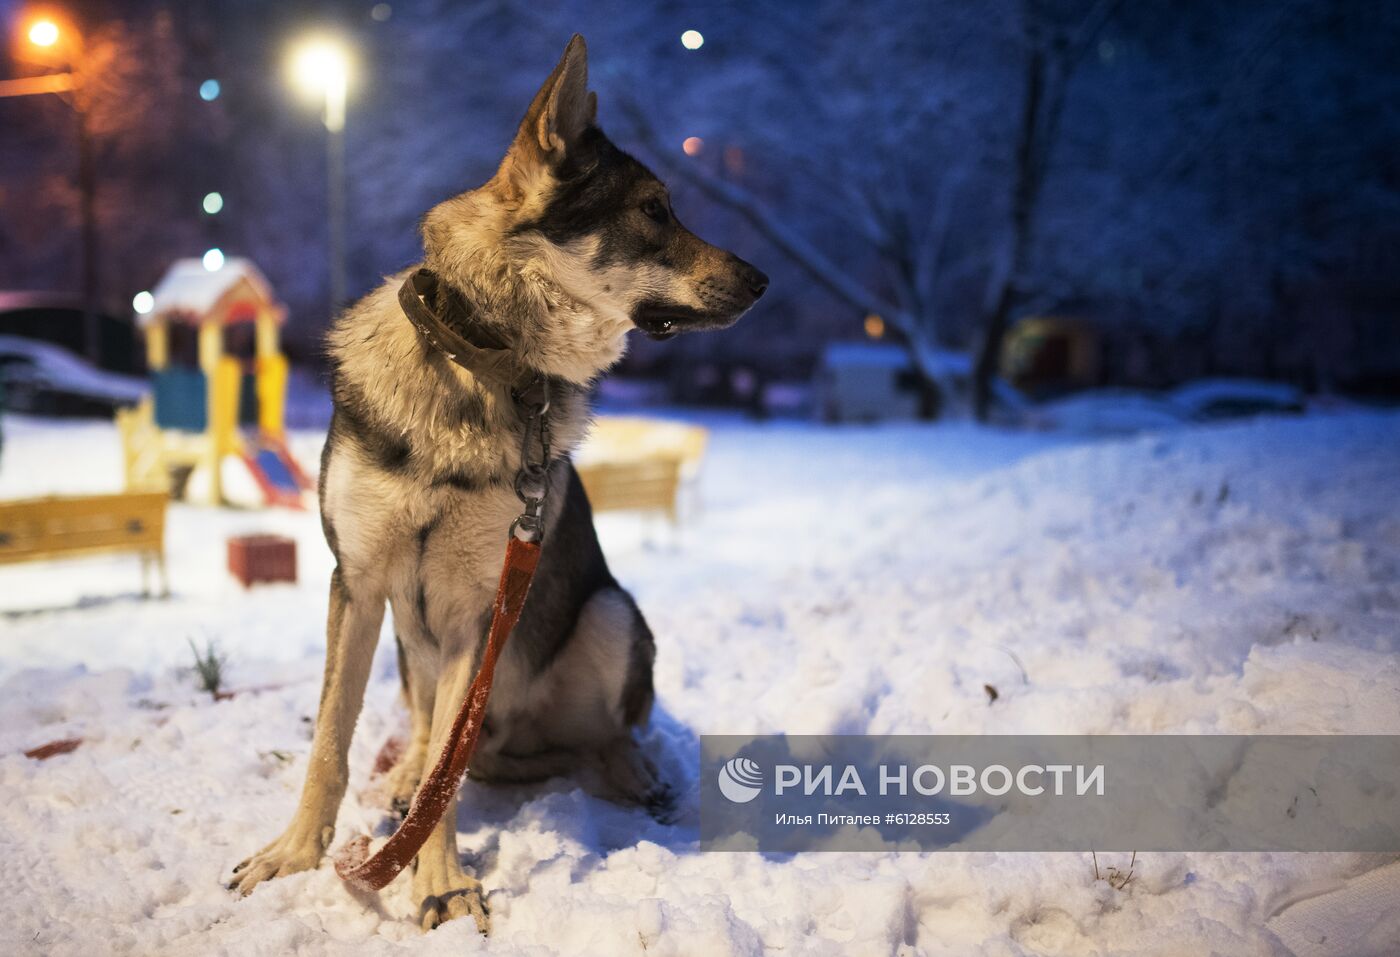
(352, 861)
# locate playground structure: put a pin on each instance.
(219, 386)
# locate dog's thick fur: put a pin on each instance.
(569, 246)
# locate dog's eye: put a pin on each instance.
(656, 211)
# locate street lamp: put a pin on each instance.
(321, 68)
(52, 41)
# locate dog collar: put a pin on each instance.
(495, 364)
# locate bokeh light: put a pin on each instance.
(213, 202)
(143, 302)
(693, 145)
(209, 90)
(214, 260)
(692, 40)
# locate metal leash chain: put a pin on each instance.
(532, 479)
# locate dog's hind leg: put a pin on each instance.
(596, 692)
(352, 630)
(630, 777)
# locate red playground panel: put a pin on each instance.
(262, 558)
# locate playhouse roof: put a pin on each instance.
(190, 293)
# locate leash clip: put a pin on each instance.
(528, 527)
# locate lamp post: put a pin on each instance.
(51, 43)
(321, 67)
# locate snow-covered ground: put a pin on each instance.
(1239, 578)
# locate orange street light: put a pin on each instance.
(47, 38)
(45, 43)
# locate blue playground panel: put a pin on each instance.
(182, 399)
(275, 468)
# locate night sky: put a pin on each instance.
(1214, 187)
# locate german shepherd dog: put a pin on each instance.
(566, 249)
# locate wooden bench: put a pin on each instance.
(635, 463)
(57, 527)
(649, 484)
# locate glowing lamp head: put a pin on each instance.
(214, 260)
(43, 33)
(320, 65)
(143, 302)
(692, 40)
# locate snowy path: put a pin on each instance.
(1235, 579)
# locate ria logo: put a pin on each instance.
(740, 780)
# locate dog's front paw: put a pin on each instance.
(294, 851)
(450, 903)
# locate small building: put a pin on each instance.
(201, 317)
(219, 383)
(866, 382)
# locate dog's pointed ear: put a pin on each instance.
(563, 108)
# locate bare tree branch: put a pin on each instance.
(1060, 70)
(1239, 88)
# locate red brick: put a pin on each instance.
(262, 558)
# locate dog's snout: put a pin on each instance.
(754, 280)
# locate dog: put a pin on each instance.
(570, 246)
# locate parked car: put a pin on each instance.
(1126, 411)
(42, 379)
(1207, 399)
(58, 319)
